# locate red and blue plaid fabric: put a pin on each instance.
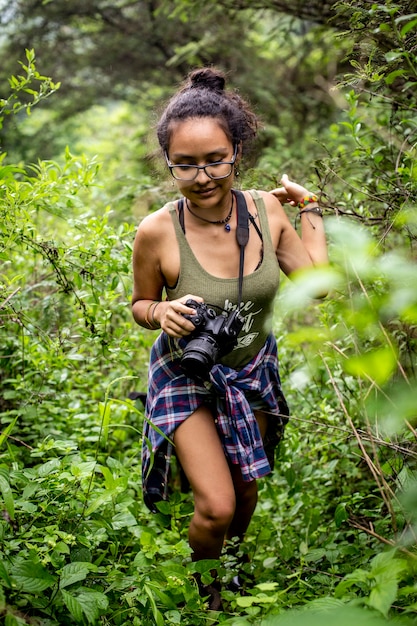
(231, 394)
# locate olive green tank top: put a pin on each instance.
(259, 289)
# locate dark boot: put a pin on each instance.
(236, 585)
(211, 593)
(241, 579)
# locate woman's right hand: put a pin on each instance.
(170, 316)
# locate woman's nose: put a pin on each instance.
(202, 175)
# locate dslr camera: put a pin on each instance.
(215, 335)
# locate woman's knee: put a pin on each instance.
(215, 515)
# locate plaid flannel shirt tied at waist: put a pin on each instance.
(232, 394)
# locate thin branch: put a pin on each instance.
(364, 435)
(9, 297)
(384, 489)
(19, 441)
(388, 542)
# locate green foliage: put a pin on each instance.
(372, 152)
(357, 380)
(137, 54)
(23, 87)
(379, 583)
(333, 539)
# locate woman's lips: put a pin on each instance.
(205, 192)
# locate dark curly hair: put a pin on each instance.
(204, 95)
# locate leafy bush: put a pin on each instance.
(334, 534)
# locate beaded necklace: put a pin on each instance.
(224, 221)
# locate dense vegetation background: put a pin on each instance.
(333, 539)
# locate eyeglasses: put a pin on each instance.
(215, 171)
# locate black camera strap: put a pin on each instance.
(242, 235)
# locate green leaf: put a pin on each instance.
(409, 25)
(73, 605)
(393, 55)
(376, 365)
(385, 566)
(83, 469)
(389, 79)
(123, 520)
(31, 577)
(315, 615)
(340, 514)
(159, 620)
(4, 575)
(6, 432)
(405, 29)
(267, 586)
(245, 601)
(164, 507)
(7, 496)
(30, 54)
(101, 501)
(48, 468)
(358, 577)
(383, 595)
(166, 600)
(88, 603)
(205, 566)
(14, 620)
(74, 572)
(315, 555)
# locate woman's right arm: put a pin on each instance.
(148, 308)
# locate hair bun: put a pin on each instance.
(207, 78)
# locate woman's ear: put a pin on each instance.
(238, 158)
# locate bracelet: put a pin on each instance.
(156, 302)
(154, 322)
(314, 209)
(307, 200)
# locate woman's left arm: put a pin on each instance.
(312, 249)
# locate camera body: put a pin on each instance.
(215, 335)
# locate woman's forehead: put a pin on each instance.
(198, 134)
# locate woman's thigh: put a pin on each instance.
(200, 452)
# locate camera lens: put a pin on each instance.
(199, 356)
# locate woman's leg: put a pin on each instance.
(202, 458)
(246, 492)
(246, 499)
(224, 502)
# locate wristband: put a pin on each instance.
(314, 209)
(154, 322)
(307, 200)
(156, 302)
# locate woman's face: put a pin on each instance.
(201, 141)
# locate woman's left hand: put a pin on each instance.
(291, 192)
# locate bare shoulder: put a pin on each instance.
(154, 236)
(156, 257)
(155, 224)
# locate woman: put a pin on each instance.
(223, 429)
